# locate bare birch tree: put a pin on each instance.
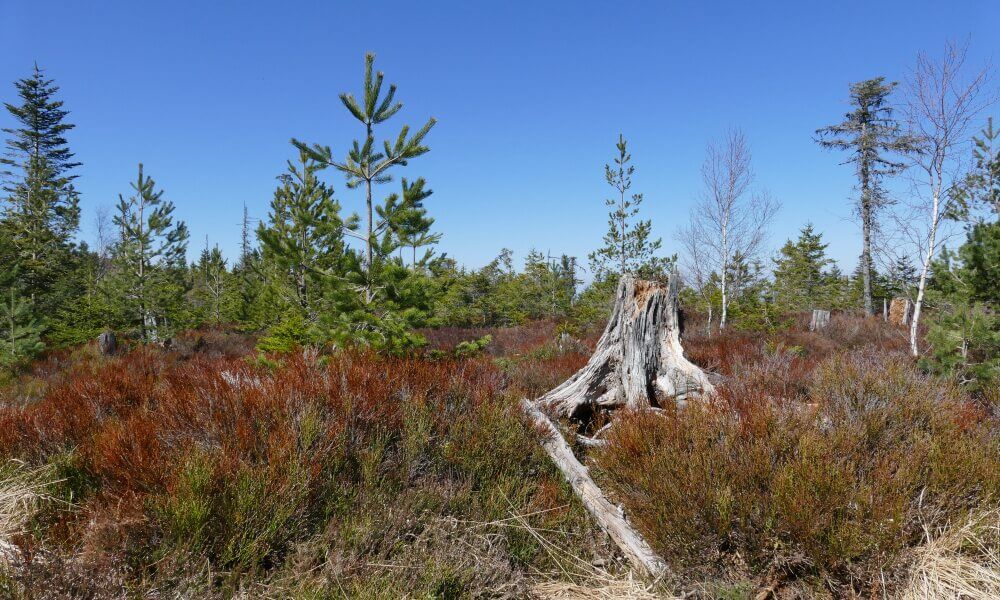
(730, 218)
(944, 98)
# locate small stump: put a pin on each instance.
(900, 310)
(820, 319)
(107, 343)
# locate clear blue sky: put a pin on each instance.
(530, 98)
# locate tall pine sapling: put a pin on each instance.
(627, 248)
(365, 165)
(148, 256)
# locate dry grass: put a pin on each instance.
(22, 490)
(959, 563)
(605, 587)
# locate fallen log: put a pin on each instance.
(638, 364)
(608, 516)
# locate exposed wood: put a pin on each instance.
(608, 516)
(820, 319)
(900, 311)
(638, 362)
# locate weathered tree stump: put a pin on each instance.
(107, 343)
(820, 319)
(900, 310)
(638, 364)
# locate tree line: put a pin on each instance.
(311, 273)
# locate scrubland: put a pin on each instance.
(828, 466)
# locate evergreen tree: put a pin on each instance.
(209, 295)
(873, 136)
(901, 278)
(42, 210)
(365, 165)
(799, 279)
(981, 187)
(20, 333)
(408, 221)
(304, 239)
(964, 330)
(627, 244)
(149, 259)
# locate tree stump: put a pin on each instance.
(107, 343)
(820, 319)
(638, 364)
(900, 310)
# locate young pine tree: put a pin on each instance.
(149, 261)
(627, 248)
(210, 289)
(308, 271)
(408, 222)
(873, 137)
(366, 165)
(981, 188)
(304, 237)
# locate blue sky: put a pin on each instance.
(530, 98)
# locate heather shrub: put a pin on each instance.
(832, 489)
(268, 469)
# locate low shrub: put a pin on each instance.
(269, 469)
(833, 489)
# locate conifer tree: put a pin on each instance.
(981, 188)
(873, 137)
(407, 219)
(303, 237)
(799, 279)
(42, 211)
(627, 244)
(20, 332)
(209, 290)
(366, 165)
(149, 260)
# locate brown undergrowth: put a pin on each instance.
(823, 469)
(819, 468)
(204, 472)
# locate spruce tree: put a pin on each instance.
(873, 137)
(627, 248)
(42, 210)
(210, 287)
(20, 332)
(799, 279)
(149, 261)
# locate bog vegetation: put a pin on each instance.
(334, 412)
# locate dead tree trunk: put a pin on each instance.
(638, 364)
(820, 319)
